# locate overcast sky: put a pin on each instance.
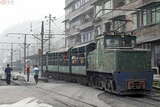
(17, 14)
(19, 11)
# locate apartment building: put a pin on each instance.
(137, 17)
(79, 21)
(87, 18)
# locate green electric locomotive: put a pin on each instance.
(111, 63)
(118, 67)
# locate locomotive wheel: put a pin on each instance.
(90, 84)
(109, 86)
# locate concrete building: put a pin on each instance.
(137, 17)
(87, 18)
(78, 21)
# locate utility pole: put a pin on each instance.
(11, 51)
(42, 38)
(50, 20)
(25, 40)
(49, 47)
(20, 55)
(11, 54)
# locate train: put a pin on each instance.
(111, 62)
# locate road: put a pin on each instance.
(63, 94)
(55, 93)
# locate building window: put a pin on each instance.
(119, 3)
(107, 5)
(134, 18)
(144, 18)
(98, 10)
(107, 27)
(98, 30)
(158, 15)
(67, 25)
(80, 3)
(87, 17)
(102, 5)
(86, 36)
(153, 16)
(119, 24)
(148, 16)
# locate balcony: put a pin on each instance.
(147, 3)
(72, 32)
(119, 3)
(81, 10)
(86, 25)
(148, 33)
(116, 13)
(150, 1)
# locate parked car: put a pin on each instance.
(156, 77)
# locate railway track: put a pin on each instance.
(148, 100)
(71, 102)
(85, 104)
(152, 100)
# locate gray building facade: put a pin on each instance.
(137, 17)
(79, 21)
(94, 17)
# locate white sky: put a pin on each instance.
(14, 16)
(28, 10)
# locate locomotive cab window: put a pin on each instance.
(120, 41)
(112, 43)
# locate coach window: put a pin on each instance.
(78, 57)
(55, 59)
(74, 60)
(81, 56)
(65, 59)
(50, 59)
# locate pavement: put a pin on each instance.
(51, 94)
(63, 94)
(55, 93)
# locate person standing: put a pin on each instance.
(36, 73)
(28, 72)
(8, 74)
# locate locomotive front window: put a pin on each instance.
(120, 42)
(129, 43)
(112, 43)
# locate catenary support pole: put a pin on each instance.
(25, 40)
(11, 54)
(42, 37)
